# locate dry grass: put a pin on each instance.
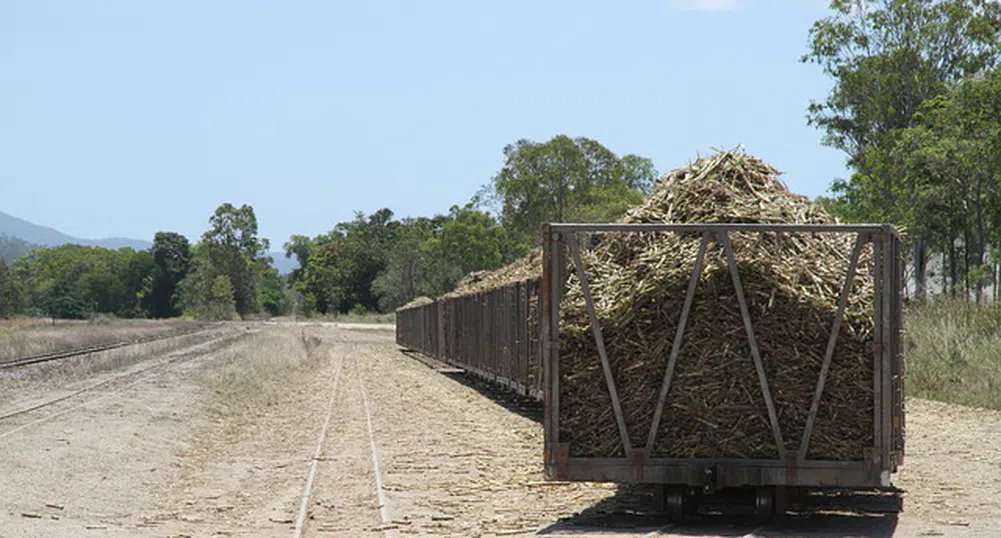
(375, 319)
(14, 324)
(387, 318)
(25, 337)
(953, 353)
(254, 375)
(715, 406)
(66, 372)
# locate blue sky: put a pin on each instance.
(123, 118)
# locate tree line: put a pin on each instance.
(12, 248)
(916, 108)
(372, 263)
(226, 275)
(376, 263)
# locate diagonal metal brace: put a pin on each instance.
(831, 343)
(676, 344)
(749, 328)
(599, 340)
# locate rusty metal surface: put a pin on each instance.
(726, 472)
(490, 335)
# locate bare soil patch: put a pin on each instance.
(30, 385)
(221, 445)
(92, 466)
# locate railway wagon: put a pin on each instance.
(513, 336)
(493, 335)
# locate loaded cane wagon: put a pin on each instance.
(673, 413)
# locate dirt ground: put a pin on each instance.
(194, 443)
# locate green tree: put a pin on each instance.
(407, 273)
(73, 281)
(8, 302)
(206, 293)
(953, 156)
(274, 298)
(171, 254)
(473, 240)
(363, 255)
(231, 247)
(469, 240)
(341, 265)
(640, 173)
(12, 248)
(220, 303)
(65, 302)
(138, 267)
(299, 247)
(321, 281)
(565, 179)
(887, 57)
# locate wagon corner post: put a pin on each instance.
(548, 334)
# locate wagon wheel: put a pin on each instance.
(675, 503)
(764, 503)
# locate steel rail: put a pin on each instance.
(177, 355)
(307, 492)
(86, 350)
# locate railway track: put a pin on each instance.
(139, 375)
(346, 392)
(86, 350)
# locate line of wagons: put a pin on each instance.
(509, 336)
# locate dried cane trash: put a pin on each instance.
(715, 408)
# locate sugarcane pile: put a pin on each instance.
(528, 267)
(715, 407)
(416, 302)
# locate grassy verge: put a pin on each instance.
(65, 373)
(256, 374)
(953, 353)
(389, 318)
(24, 337)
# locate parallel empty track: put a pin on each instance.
(85, 350)
(181, 356)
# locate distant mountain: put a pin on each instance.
(12, 248)
(35, 235)
(48, 237)
(115, 243)
(283, 264)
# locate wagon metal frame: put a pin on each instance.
(792, 468)
(492, 334)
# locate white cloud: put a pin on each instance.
(706, 5)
